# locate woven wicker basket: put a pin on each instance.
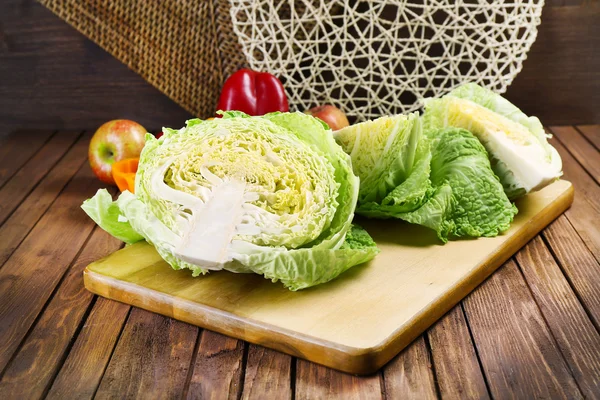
(184, 48)
(368, 57)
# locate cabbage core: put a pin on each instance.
(264, 187)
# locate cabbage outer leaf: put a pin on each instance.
(383, 152)
(467, 198)
(302, 268)
(443, 181)
(518, 148)
(108, 216)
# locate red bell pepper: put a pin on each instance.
(255, 93)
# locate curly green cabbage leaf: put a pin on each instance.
(517, 144)
(274, 195)
(446, 182)
(469, 199)
(383, 153)
(108, 216)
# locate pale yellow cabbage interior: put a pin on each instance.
(366, 142)
(292, 187)
(480, 120)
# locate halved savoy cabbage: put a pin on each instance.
(274, 195)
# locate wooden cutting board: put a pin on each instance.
(355, 323)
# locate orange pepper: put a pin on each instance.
(123, 173)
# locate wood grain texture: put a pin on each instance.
(592, 133)
(82, 371)
(84, 366)
(356, 323)
(457, 368)
(583, 151)
(586, 205)
(559, 81)
(15, 151)
(410, 375)
(38, 359)
(30, 275)
(315, 381)
(19, 186)
(518, 354)
(562, 3)
(577, 263)
(60, 79)
(30, 210)
(578, 340)
(268, 374)
(151, 359)
(218, 368)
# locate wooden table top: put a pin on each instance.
(531, 330)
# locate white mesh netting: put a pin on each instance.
(373, 58)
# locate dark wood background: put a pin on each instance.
(52, 77)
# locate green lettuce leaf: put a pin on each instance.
(436, 213)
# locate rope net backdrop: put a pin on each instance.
(373, 58)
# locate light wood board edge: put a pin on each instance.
(361, 361)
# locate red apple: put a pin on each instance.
(331, 115)
(115, 141)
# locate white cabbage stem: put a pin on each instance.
(213, 226)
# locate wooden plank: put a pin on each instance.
(559, 82)
(585, 210)
(457, 368)
(340, 324)
(519, 356)
(80, 375)
(152, 356)
(218, 368)
(314, 381)
(577, 263)
(578, 340)
(592, 133)
(15, 151)
(22, 220)
(19, 186)
(267, 375)
(410, 375)
(40, 356)
(30, 275)
(77, 84)
(562, 3)
(583, 151)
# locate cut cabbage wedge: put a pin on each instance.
(517, 145)
(274, 195)
(444, 182)
(383, 152)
